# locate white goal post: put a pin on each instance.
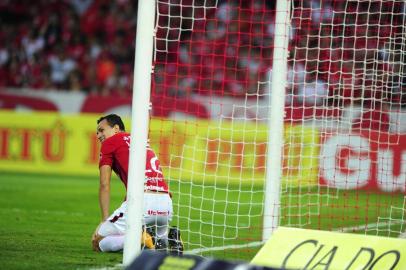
(139, 128)
(276, 118)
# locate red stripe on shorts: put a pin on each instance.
(115, 218)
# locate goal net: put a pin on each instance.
(344, 148)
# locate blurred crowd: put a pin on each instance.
(340, 51)
(77, 45)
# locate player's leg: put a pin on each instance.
(110, 234)
(112, 243)
(158, 227)
(157, 216)
(175, 242)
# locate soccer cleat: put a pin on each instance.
(158, 244)
(175, 241)
(161, 245)
(147, 239)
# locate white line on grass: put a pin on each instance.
(259, 243)
(115, 267)
(369, 226)
(201, 250)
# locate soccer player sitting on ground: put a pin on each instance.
(114, 156)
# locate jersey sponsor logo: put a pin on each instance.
(155, 188)
(157, 213)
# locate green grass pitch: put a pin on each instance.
(47, 220)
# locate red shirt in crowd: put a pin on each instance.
(115, 153)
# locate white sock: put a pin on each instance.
(112, 243)
(162, 233)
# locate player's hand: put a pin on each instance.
(95, 242)
(96, 239)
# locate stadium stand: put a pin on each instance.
(88, 46)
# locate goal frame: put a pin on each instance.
(140, 120)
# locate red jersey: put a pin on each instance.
(115, 153)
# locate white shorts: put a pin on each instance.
(157, 211)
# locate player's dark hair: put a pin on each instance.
(112, 120)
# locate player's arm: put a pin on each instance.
(104, 191)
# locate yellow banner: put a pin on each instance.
(188, 150)
(231, 151)
(291, 248)
(48, 143)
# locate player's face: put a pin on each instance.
(105, 131)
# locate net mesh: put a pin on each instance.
(343, 163)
